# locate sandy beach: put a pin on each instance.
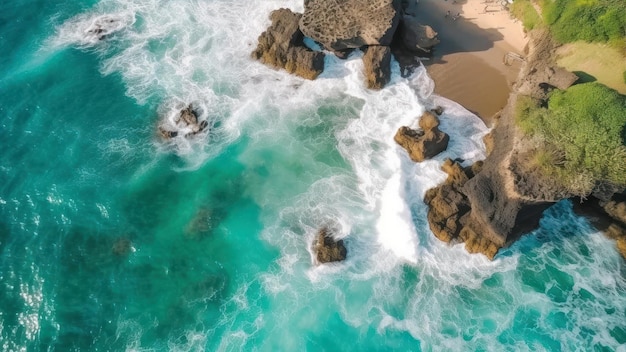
(467, 66)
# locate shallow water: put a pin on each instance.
(112, 239)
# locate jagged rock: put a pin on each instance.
(327, 249)
(339, 25)
(539, 75)
(188, 116)
(282, 46)
(447, 205)
(423, 144)
(475, 243)
(416, 37)
(377, 66)
(166, 134)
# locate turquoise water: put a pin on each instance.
(112, 239)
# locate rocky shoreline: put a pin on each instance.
(491, 206)
(488, 205)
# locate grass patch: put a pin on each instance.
(601, 61)
(584, 132)
(588, 20)
(525, 12)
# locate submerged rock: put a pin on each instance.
(425, 143)
(339, 25)
(122, 247)
(327, 249)
(377, 66)
(282, 46)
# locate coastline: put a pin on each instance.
(467, 65)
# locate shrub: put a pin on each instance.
(524, 11)
(585, 125)
(588, 20)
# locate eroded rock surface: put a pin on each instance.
(327, 249)
(339, 25)
(377, 66)
(424, 143)
(282, 46)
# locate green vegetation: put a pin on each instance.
(583, 133)
(524, 10)
(588, 20)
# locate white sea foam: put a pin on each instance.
(180, 52)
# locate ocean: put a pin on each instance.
(112, 239)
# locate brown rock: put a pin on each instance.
(422, 145)
(188, 116)
(428, 121)
(339, 25)
(327, 249)
(166, 134)
(282, 46)
(621, 246)
(377, 66)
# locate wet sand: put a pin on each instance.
(467, 66)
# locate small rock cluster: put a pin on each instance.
(187, 120)
(425, 142)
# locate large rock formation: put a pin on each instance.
(377, 66)
(282, 46)
(539, 75)
(339, 25)
(425, 143)
(327, 249)
(507, 197)
(415, 36)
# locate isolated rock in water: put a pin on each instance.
(423, 144)
(416, 37)
(377, 66)
(103, 26)
(282, 46)
(339, 25)
(327, 249)
(166, 134)
(188, 116)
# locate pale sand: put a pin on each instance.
(467, 66)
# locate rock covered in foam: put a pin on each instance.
(339, 25)
(103, 26)
(282, 46)
(327, 249)
(425, 143)
(377, 66)
(186, 122)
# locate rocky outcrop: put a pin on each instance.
(505, 199)
(377, 66)
(539, 75)
(339, 25)
(282, 46)
(449, 211)
(424, 143)
(327, 249)
(415, 36)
